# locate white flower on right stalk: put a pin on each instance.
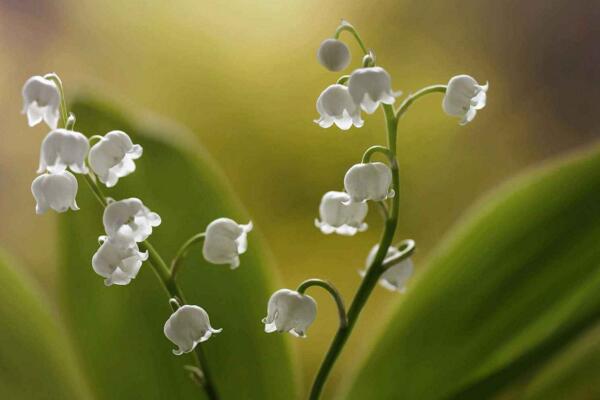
(335, 106)
(369, 181)
(129, 220)
(118, 261)
(113, 157)
(41, 101)
(225, 240)
(63, 149)
(464, 96)
(371, 86)
(187, 327)
(333, 54)
(395, 277)
(340, 215)
(290, 311)
(56, 191)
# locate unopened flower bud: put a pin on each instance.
(333, 54)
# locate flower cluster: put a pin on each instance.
(128, 223)
(343, 212)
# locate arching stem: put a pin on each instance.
(337, 297)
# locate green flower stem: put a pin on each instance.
(346, 26)
(406, 248)
(375, 269)
(182, 252)
(343, 79)
(376, 149)
(64, 115)
(414, 96)
(155, 261)
(337, 297)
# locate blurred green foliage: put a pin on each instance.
(36, 358)
(510, 288)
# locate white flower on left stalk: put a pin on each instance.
(187, 327)
(56, 191)
(338, 214)
(113, 157)
(335, 106)
(118, 261)
(464, 96)
(371, 86)
(63, 149)
(368, 181)
(290, 311)
(225, 240)
(41, 101)
(395, 277)
(129, 220)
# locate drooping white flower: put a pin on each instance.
(129, 220)
(63, 149)
(368, 181)
(290, 311)
(464, 96)
(335, 106)
(56, 191)
(187, 327)
(225, 240)
(340, 215)
(118, 261)
(112, 157)
(371, 86)
(41, 101)
(395, 277)
(333, 54)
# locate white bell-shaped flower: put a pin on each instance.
(340, 215)
(187, 327)
(113, 157)
(335, 106)
(62, 149)
(333, 54)
(369, 181)
(118, 261)
(225, 240)
(464, 96)
(56, 191)
(41, 101)
(129, 220)
(395, 277)
(290, 311)
(371, 86)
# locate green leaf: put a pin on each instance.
(120, 329)
(573, 374)
(36, 361)
(510, 287)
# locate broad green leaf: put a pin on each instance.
(574, 374)
(119, 330)
(36, 361)
(512, 285)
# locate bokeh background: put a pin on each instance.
(243, 76)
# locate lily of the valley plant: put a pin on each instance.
(68, 157)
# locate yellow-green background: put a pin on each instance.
(244, 77)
